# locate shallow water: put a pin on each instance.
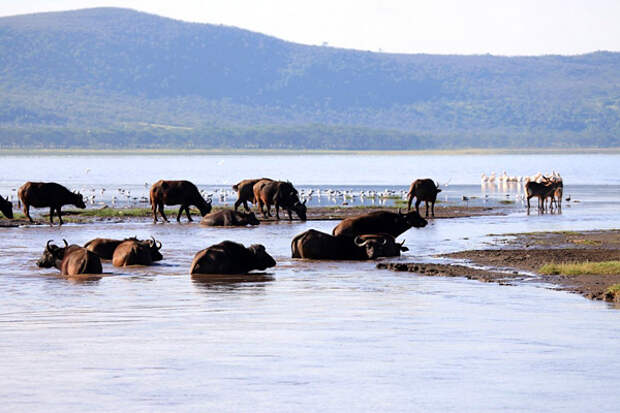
(334, 336)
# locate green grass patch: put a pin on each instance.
(581, 268)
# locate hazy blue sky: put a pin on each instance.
(508, 27)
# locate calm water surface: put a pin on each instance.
(330, 336)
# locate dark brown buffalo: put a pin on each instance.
(6, 208)
(379, 222)
(48, 194)
(229, 218)
(279, 194)
(70, 260)
(136, 252)
(542, 191)
(228, 257)
(104, 247)
(317, 245)
(423, 190)
(182, 193)
(245, 192)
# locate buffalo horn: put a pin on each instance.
(209, 200)
(158, 244)
(358, 241)
(66, 243)
(384, 241)
(47, 246)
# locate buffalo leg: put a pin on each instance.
(290, 214)
(238, 202)
(433, 209)
(417, 205)
(189, 216)
(154, 209)
(59, 213)
(161, 212)
(409, 199)
(268, 208)
(528, 202)
(27, 212)
(51, 215)
(426, 208)
(277, 207)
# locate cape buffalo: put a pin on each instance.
(48, 194)
(135, 252)
(6, 208)
(317, 245)
(228, 257)
(104, 247)
(182, 193)
(229, 218)
(393, 223)
(542, 191)
(423, 190)
(70, 260)
(245, 192)
(279, 194)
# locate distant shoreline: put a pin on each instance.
(167, 151)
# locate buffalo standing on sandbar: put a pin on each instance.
(48, 194)
(70, 260)
(393, 223)
(245, 192)
(423, 190)
(279, 194)
(313, 244)
(229, 218)
(229, 257)
(6, 207)
(182, 193)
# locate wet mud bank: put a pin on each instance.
(522, 258)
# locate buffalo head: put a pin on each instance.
(154, 247)
(262, 260)
(51, 254)
(413, 219)
(205, 207)
(78, 201)
(251, 218)
(300, 209)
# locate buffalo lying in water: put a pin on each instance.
(6, 208)
(105, 247)
(379, 222)
(229, 257)
(135, 252)
(48, 194)
(423, 190)
(70, 260)
(229, 218)
(279, 194)
(317, 245)
(245, 192)
(182, 193)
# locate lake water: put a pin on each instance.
(330, 336)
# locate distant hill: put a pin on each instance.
(112, 78)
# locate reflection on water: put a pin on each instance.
(334, 336)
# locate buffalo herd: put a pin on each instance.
(364, 237)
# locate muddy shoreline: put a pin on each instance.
(520, 258)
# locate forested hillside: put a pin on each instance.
(112, 78)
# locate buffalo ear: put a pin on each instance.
(438, 190)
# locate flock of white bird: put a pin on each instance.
(505, 178)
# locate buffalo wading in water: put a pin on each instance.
(229, 257)
(229, 218)
(423, 190)
(70, 259)
(136, 252)
(279, 194)
(48, 194)
(378, 222)
(6, 208)
(245, 192)
(182, 193)
(104, 247)
(542, 191)
(313, 244)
